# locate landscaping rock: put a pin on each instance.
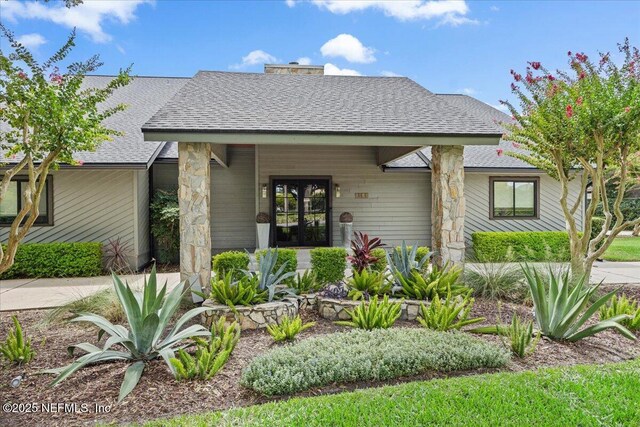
(251, 317)
(335, 309)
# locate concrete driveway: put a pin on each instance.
(21, 294)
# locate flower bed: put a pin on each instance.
(336, 309)
(253, 316)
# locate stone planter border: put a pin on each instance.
(252, 317)
(336, 309)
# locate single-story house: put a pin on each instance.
(407, 163)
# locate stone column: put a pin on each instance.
(194, 193)
(447, 203)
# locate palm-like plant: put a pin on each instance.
(561, 313)
(268, 279)
(288, 328)
(241, 292)
(367, 283)
(449, 313)
(404, 262)
(362, 248)
(148, 315)
(439, 281)
(373, 315)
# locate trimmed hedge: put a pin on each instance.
(230, 260)
(82, 259)
(359, 355)
(329, 264)
(532, 246)
(284, 255)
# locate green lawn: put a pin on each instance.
(623, 249)
(583, 395)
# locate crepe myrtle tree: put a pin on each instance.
(584, 124)
(47, 116)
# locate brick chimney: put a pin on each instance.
(293, 68)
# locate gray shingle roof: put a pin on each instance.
(475, 156)
(144, 96)
(276, 103)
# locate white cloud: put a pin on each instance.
(31, 41)
(390, 74)
(332, 70)
(290, 3)
(304, 60)
(449, 11)
(255, 57)
(468, 91)
(494, 8)
(88, 17)
(349, 48)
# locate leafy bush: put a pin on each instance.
(622, 306)
(362, 248)
(270, 277)
(210, 355)
(367, 284)
(329, 264)
(83, 259)
(439, 281)
(17, 347)
(533, 246)
(286, 257)
(288, 328)
(164, 218)
(358, 355)
(496, 281)
(306, 283)
(381, 264)
(561, 314)
(104, 303)
(148, 316)
(373, 314)
(244, 291)
(230, 261)
(450, 313)
(404, 260)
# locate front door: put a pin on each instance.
(301, 212)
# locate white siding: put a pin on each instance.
(476, 190)
(89, 206)
(399, 204)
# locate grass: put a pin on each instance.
(582, 395)
(623, 249)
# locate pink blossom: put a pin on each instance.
(569, 53)
(604, 59)
(569, 111)
(581, 57)
(582, 75)
(13, 156)
(499, 151)
(515, 145)
(551, 78)
(535, 65)
(22, 75)
(514, 87)
(56, 78)
(627, 109)
(579, 100)
(80, 162)
(529, 78)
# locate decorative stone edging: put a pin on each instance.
(308, 301)
(336, 309)
(252, 317)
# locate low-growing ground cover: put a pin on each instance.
(581, 395)
(159, 395)
(623, 249)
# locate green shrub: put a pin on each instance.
(373, 314)
(83, 259)
(367, 284)
(306, 283)
(532, 246)
(17, 347)
(622, 306)
(450, 313)
(288, 328)
(329, 264)
(235, 261)
(359, 355)
(164, 220)
(497, 281)
(244, 291)
(439, 281)
(381, 264)
(288, 256)
(210, 355)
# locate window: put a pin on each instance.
(12, 202)
(514, 198)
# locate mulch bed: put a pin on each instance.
(159, 395)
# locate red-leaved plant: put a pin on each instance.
(362, 246)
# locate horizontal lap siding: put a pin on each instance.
(551, 217)
(88, 206)
(399, 204)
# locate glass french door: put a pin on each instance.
(301, 212)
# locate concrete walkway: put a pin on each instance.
(21, 294)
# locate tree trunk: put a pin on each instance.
(636, 231)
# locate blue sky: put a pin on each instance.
(448, 47)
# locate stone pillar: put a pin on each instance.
(194, 193)
(447, 203)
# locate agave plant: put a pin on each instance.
(362, 248)
(562, 314)
(148, 315)
(268, 279)
(404, 262)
